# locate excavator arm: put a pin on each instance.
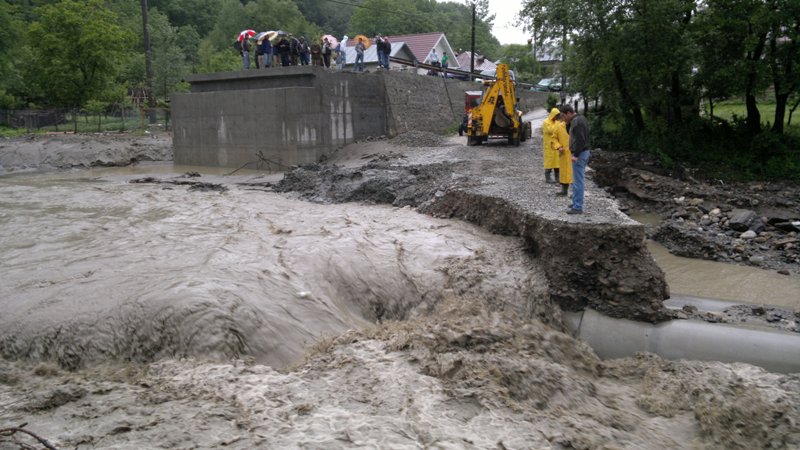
(496, 115)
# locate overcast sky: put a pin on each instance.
(505, 10)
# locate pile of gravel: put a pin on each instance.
(419, 139)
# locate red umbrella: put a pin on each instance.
(246, 34)
(331, 39)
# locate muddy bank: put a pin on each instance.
(755, 223)
(463, 377)
(42, 152)
(596, 260)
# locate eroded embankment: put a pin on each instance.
(601, 266)
(598, 261)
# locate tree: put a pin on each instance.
(456, 20)
(784, 55)
(79, 45)
(390, 17)
(520, 59)
(11, 50)
(170, 50)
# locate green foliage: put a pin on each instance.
(78, 46)
(520, 59)
(332, 18)
(651, 61)
(172, 50)
(552, 101)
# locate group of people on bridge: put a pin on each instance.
(284, 49)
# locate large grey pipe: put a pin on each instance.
(774, 350)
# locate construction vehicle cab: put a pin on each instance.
(497, 116)
(471, 100)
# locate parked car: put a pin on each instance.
(548, 85)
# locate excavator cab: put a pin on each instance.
(471, 100)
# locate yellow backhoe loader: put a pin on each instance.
(497, 116)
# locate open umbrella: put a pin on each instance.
(266, 35)
(334, 42)
(246, 34)
(361, 38)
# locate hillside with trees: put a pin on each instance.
(68, 53)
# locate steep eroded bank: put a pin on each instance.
(596, 260)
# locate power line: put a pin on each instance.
(404, 13)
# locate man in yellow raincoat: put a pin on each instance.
(550, 155)
(560, 144)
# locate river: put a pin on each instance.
(241, 318)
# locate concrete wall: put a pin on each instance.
(297, 115)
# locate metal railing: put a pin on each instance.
(114, 118)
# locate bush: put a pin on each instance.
(718, 149)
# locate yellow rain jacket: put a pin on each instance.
(548, 128)
(560, 139)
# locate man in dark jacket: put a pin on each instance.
(380, 48)
(579, 145)
(266, 50)
(283, 49)
(294, 49)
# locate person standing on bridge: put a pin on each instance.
(387, 51)
(284, 49)
(326, 53)
(550, 154)
(579, 146)
(560, 144)
(303, 51)
(316, 53)
(360, 49)
(246, 47)
(380, 49)
(266, 50)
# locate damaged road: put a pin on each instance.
(597, 260)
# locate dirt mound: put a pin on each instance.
(65, 151)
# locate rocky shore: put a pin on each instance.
(754, 224)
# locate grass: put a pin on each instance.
(730, 108)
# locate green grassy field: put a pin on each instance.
(730, 108)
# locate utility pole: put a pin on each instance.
(472, 47)
(148, 64)
(563, 74)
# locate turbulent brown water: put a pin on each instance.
(152, 315)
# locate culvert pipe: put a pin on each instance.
(774, 350)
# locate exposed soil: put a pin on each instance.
(43, 152)
(755, 223)
(597, 260)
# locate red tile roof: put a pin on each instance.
(481, 62)
(420, 44)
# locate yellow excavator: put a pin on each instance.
(496, 116)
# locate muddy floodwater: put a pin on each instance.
(145, 315)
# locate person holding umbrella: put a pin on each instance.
(361, 47)
(244, 41)
(284, 49)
